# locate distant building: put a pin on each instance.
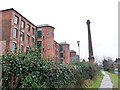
(73, 56)
(72, 53)
(64, 52)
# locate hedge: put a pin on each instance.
(33, 71)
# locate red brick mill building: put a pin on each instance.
(18, 34)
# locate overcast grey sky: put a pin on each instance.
(69, 19)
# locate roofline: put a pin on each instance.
(72, 51)
(44, 25)
(7, 9)
(19, 14)
(64, 44)
(56, 41)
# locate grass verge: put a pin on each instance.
(96, 82)
(114, 78)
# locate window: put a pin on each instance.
(48, 34)
(22, 36)
(27, 39)
(27, 48)
(61, 54)
(43, 38)
(43, 49)
(48, 47)
(14, 47)
(21, 48)
(15, 33)
(28, 28)
(61, 60)
(39, 34)
(16, 20)
(61, 48)
(32, 31)
(39, 29)
(32, 40)
(22, 24)
(39, 44)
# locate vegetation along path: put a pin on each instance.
(106, 81)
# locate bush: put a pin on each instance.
(32, 71)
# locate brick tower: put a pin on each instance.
(91, 57)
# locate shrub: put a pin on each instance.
(33, 71)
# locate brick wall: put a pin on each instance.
(57, 52)
(2, 47)
(8, 27)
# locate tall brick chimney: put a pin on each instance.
(91, 57)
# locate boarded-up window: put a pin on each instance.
(39, 34)
(61, 54)
(61, 48)
(39, 44)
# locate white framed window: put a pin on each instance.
(16, 20)
(21, 48)
(22, 24)
(28, 28)
(14, 47)
(33, 31)
(21, 36)
(15, 33)
(27, 39)
(27, 49)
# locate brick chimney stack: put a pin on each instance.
(91, 57)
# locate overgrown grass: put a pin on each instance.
(115, 80)
(96, 82)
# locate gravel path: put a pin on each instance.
(106, 82)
